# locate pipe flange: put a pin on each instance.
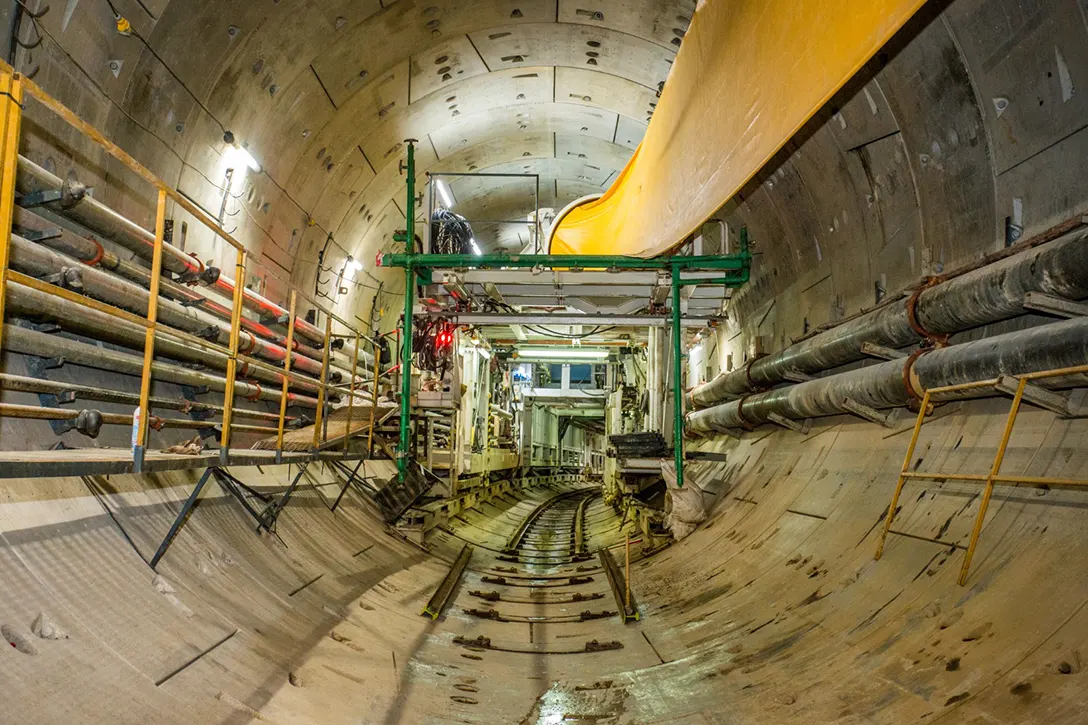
(257, 392)
(933, 339)
(744, 422)
(100, 252)
(752, 384)
(914, 398)
(156, 423)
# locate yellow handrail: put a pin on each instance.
(989, 479)
(14, 87)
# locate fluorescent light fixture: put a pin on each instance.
(355, 263)
(250, 161)
(444, 193)
(475, 246)
(485, 352)
(564, 354)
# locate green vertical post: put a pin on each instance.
(409, 303)
(677, 379)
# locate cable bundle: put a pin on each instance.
(450, 233)
(432, 345)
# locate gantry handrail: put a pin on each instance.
(14, 87)
(994, 476)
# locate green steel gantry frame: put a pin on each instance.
(736, 269)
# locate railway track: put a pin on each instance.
(545, 573)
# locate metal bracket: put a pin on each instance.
(1060, 403)
(881, 352)
(1056, 306)
(39, 198)
(180, 520)
(36, 367)
(268, 518)
(34, 235)
(802, 428)
(796, 376)
(871, 414)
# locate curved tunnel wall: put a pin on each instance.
(974, 114)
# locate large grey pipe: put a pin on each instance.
(29, 302)
(98, 217)
(90, 252)
(1047, 347)
(985, 295)
(30, 342)
(37, 261)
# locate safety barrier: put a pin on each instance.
(1022, 388)
(14, 88)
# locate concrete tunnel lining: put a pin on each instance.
(968, 127)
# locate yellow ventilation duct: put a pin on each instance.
(748, 76)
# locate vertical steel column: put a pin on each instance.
(374, 401)
(677, 380)
(994, 471)
(139, 441)
(409, 304)
(12, 87)
(292, 305)
(537, 228)
(351, 394)
(323, 392)
(232, 357)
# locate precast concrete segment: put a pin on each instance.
(979, 297)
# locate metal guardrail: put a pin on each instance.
(14, 88)
(1022, 388)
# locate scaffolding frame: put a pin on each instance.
(14, 88)
(735, 268)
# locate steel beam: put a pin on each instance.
(738, 263)
(485, 318)
(180, 520)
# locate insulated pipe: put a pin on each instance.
(76, 318)
(37, 261)
(885, 385)
(30, 342)
(90, 252)
(89, 422)
(982, 296)
(87, 211)
(99, 218)
(24, 384)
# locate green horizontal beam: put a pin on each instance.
(736, 262)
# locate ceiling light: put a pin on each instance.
(564, 354)
(236, 149)
(250, 161)
(484, 351)
(475, 246)
(444, 193)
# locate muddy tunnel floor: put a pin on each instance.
(774, 610)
